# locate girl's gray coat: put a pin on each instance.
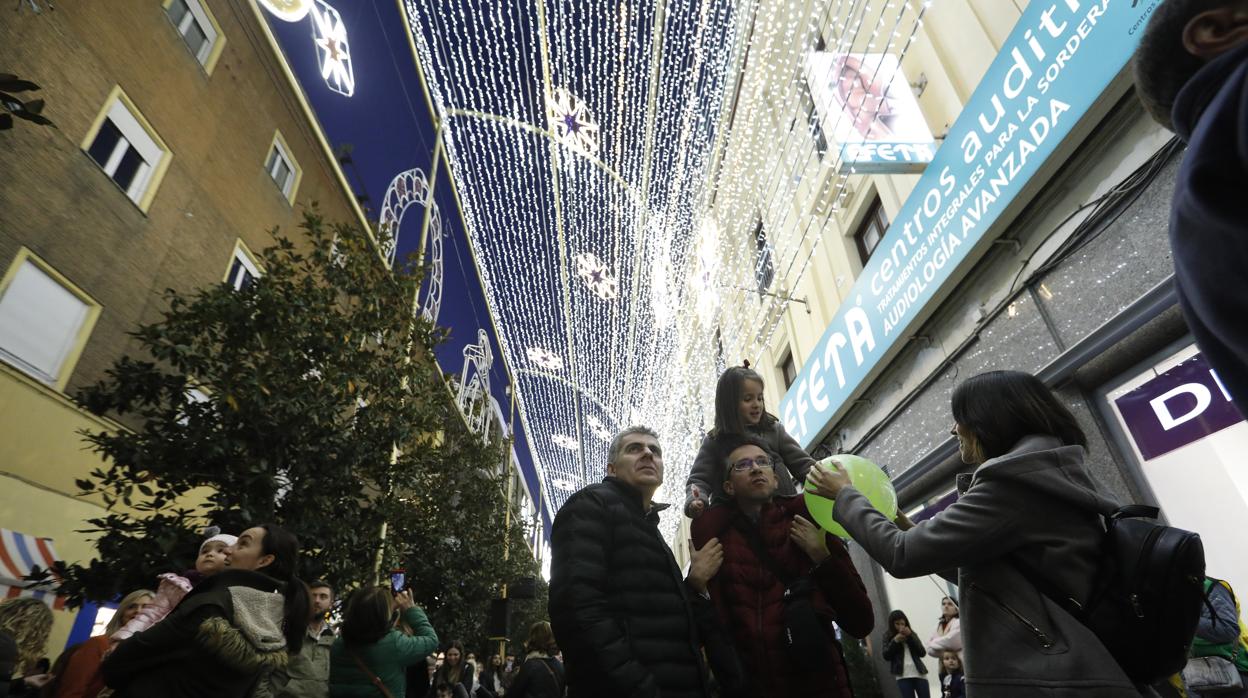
(1038, 502)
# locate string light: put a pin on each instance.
(614, 166)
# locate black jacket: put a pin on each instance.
(618, 605)
(1209, 216)
(217, 643)
(895, 653)
(539, 677)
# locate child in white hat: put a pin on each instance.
(173, 587)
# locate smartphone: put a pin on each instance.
(398, 579)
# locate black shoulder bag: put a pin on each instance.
(806, 635)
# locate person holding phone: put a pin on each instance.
(372, 653)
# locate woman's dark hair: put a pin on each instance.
(444, 671)
(369, 616)
(999, 408)
(728, 393)
(895, 616)
(284, 547)
(541, 639)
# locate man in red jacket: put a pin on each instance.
(770, 545)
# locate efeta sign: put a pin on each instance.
(1053, 68)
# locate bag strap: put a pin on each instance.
(553, 675)
(377, 682)
(756, 543)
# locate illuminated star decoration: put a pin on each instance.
(597, 276)
(333, 54)
(598, 428)
(571, 121)
(545, 358)
(565, 441)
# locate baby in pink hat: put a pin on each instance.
(173, 587)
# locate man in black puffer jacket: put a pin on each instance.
(619, 608)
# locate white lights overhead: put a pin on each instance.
(545, 358)
(287, 10)
(333, 54)
(631, 153)
(571, 122)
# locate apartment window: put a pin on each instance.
(124, 145)
(871, 230)
(44, 320)
(788, 369)
(811, 115)
(282, 167)
(198, 29)
(764, 267)
(243, 268)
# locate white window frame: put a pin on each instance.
(199, 15)
(65, 357)
(282, 152)
(138, 134)
(243, 256)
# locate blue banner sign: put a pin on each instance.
(1054, 66)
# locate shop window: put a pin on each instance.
(198, 28)
(870, 231)
(243, 269)
(44, 320)
(125, 146)
(282, 167)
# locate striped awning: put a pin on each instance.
(19, 555)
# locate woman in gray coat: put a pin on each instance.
(1031, 498)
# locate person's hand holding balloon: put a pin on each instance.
(827, 479)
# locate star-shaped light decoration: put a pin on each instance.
(564, 484)
(565, 441)
(597, 276)
(571, 121)
(333, 53)
(287, 10)
(545, 358)
(598, 428)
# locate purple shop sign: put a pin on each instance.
(1182, 405)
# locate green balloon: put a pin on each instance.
(867, 478)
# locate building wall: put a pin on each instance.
(56, 202)
(902, 421)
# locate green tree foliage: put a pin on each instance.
(324, 411)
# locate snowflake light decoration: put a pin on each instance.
(571, 121)
(597, 276)
(598, 428)
(545, 358)
(565, 441)
(564, 484)
(333, 54)
(287, 10)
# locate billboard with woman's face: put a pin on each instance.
(865, 104)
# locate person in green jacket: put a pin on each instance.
(371, 656)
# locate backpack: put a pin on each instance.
(1147, 595)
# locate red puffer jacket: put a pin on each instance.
(750, 599)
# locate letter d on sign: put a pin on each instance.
(1168, 420)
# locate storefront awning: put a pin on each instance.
(19, 555)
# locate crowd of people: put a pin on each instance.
(768, 598)
(241, 623)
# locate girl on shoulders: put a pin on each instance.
(739, 410)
